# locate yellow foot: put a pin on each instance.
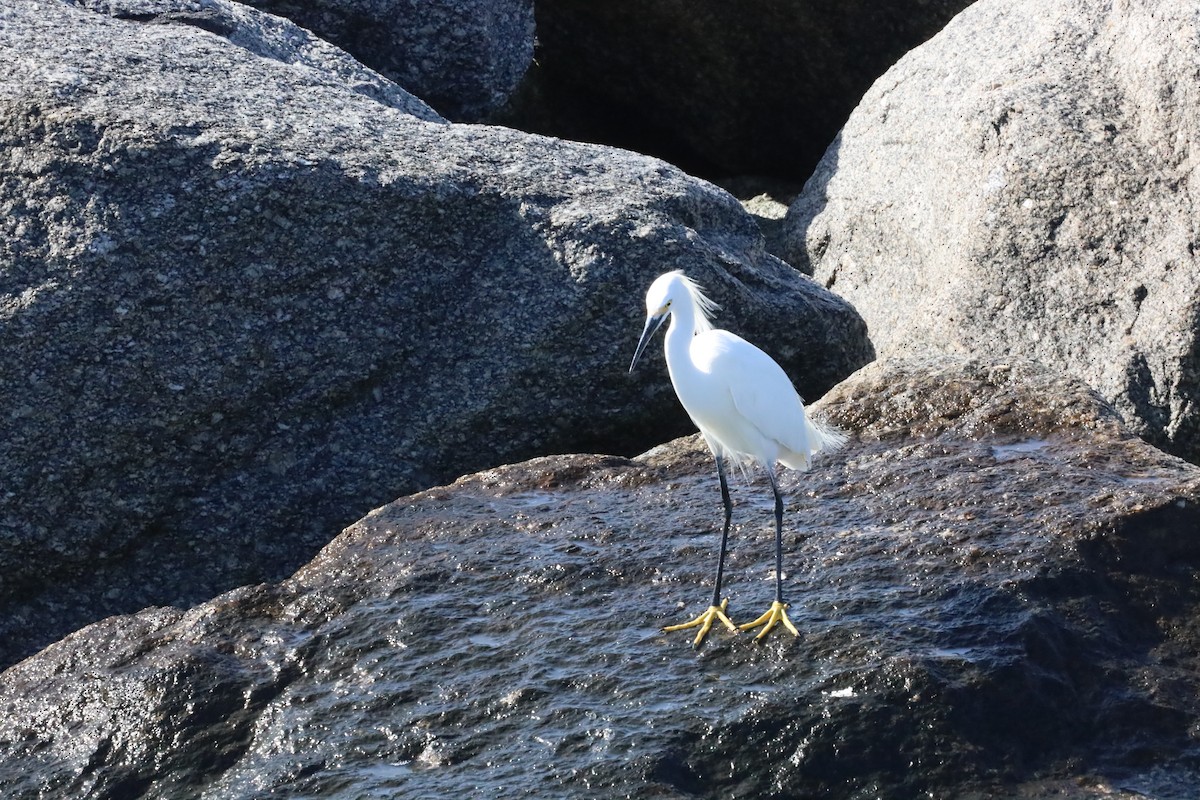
(705, 622)
(776, 613)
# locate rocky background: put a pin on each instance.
(264, 269)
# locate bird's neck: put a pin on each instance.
(679, 340)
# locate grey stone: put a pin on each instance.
(463, 57)
(259, 34)
(994, 583)
(759, 86)
(250, 289)
(1024, 184)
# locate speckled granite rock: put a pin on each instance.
(1024, 185)
(250, 289)
(463, 57)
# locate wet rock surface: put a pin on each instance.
(995, 582)
(1024, 184)
(250, 289)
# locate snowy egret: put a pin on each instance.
(747, 411)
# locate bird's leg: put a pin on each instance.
(778, 536)
(778, 610)
(716, 610)
(728, 505)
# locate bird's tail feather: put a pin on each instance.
(822, 438)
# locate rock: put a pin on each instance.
(995, 584)
(1023, 185)
(251, 289)
(262, 35)
(766, 200)
(719, 88)
(769, 213)
(463, 57)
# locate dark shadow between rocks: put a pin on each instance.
(795, 248)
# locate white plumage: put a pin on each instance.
(741, 400)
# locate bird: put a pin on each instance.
(747, 411)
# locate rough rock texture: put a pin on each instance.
(250, 289)
(721, 88)
(995, 581)
(1025, 183)
(269, 38)
(463, 57)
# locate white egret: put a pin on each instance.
(745, 407)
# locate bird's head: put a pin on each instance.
(669, 293)
(659, 297)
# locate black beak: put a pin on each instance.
(652, 325)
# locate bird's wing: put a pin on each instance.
(761, 390)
